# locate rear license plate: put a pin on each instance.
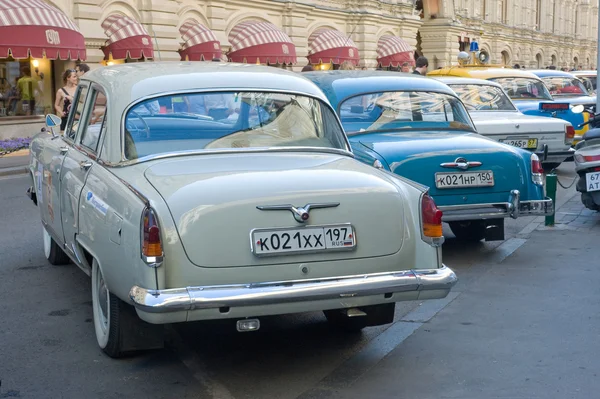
(592, 181)
(484, 178)
(521, 143)
(305, 239)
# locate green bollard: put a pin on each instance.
(551, 192)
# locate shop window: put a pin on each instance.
(25, 87)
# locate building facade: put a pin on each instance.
(534, 33)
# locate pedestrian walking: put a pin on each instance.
(308, 68)
(64, 96)
(26, 91)
(405, 67)
(421, 66)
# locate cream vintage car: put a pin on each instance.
(196, 191)
(495, 116)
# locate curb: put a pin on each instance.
(17, 170)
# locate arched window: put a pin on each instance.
(505, 58)
(538, 58)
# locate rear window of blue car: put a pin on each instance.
(229, 120)
(404, 110)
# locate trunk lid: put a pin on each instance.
(418, 156)
(213, 200)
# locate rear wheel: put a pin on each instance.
(469, 230)
(118, 328)
(53, 251)
(588, 200)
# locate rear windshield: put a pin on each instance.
(404, 110)
(226, 120)
(524, 88)
(483, 97)
(565, 86)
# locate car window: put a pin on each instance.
(483, 97)
(403, 110)
(76, 112)
(564, 86)
(226, 120)
(524, 88)
(94, 121)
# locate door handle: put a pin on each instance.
(63, 150)
(85, 164)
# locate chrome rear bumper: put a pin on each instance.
(513, 208)
(269, 293)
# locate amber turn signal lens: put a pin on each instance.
(151, 245)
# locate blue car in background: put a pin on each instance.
(417, 128)
(567, 88)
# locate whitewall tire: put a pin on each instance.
(52, 251)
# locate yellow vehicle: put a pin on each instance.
(528, 91)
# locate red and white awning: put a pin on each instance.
(393, 51)
(259, 42)
(127, 38)
(34, 28)
(200, 44)
(331, 46)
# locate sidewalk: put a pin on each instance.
(527, 328)
(14, 163)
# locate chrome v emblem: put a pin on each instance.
(301, 213)
(460, 163)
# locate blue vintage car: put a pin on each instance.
(417, 128)
(567, 88)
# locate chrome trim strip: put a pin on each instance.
(270, 293)
(174, 154)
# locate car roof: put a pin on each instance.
(339, 85)
(593, 73)
(482, 72)
(545, 73)
(139, 80)
(449, 80)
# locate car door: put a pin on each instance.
(49, 171)
(81, 160)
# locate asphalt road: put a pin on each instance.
(48, 348)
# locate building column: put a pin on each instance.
(439, 42)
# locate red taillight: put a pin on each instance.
(537, 171)
(431, 217)
(591, 158)
(151, 245)
(570, 134)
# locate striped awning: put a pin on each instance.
(393, 51)
(200, 43)
(259, 42)
(127, 38)
(34, 28)
(331, 46)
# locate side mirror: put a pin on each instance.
(577, 109)
(53, 121)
